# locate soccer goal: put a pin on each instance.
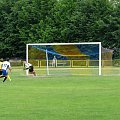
(65, 58)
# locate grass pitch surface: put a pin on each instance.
(60, 97)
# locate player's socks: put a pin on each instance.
(4, 79)
(9, 77)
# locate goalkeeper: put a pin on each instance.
(28, 66)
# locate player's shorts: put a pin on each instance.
(31, 69)
(0, 72)
(4, 72)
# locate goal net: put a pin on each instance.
(65, 58)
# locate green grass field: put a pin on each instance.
(60, 97)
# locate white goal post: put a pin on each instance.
(64, 44)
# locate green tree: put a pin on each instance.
(37, 21)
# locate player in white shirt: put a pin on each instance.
(54, 62)
(30, 67)
(5, 66)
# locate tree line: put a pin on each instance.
(48, 21)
